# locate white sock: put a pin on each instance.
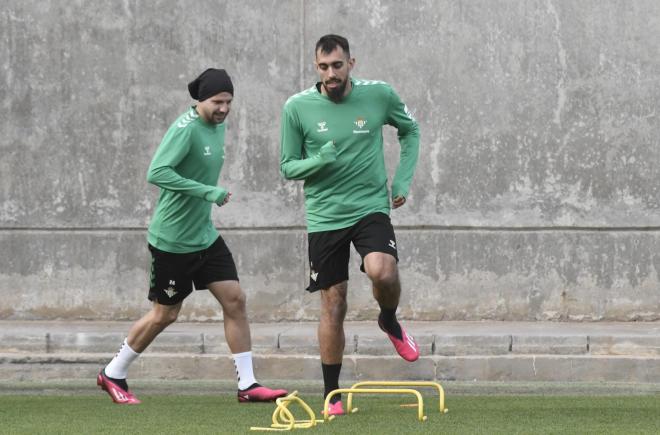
(118, 367)
(244, 371)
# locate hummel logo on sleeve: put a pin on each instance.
(409, 113)
(187, 119)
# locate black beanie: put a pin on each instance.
(209, 83)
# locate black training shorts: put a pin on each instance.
(329, 251)
(172, 275)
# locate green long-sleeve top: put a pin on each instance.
(339, 192)
(186, 167)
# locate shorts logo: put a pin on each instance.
(322, 127)
(312, 273)
(207, 151)
(171, 291)
(392, 244)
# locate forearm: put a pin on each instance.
(295, 168)
(407, 164)
(167, 178)
(301, 169)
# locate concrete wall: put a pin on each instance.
(536, 195)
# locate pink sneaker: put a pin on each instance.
(407, 347)
(335, 408)
(259, 393)
(117, 394)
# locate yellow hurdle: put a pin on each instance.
(360, 385)
(284, 420)
(420, 400)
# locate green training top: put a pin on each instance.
(186, 167)
(344, 186)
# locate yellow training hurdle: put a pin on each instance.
(360, 385)
(420, 400)
(284, 420)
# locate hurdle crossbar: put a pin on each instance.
(441, 391)
(420, 400)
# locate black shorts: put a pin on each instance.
(329, 251)
(172, 275)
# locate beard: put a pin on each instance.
(218, 118)
(337, 93)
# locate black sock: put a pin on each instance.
(120, 382)
(387, 318)
(331, 380)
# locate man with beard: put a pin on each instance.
(185, 247)
(331, 137)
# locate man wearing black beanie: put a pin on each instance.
(186, 248)
(210, 82)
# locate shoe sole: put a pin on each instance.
(243, 400)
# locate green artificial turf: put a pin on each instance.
(378, 414)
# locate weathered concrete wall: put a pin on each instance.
(536, 195)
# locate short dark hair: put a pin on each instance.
(327, 43)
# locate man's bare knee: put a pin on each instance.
(164, 321)
(333, 303)
(336, 310)
(385, 278)
(234, 304)
(163, 317)
(382, 270)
